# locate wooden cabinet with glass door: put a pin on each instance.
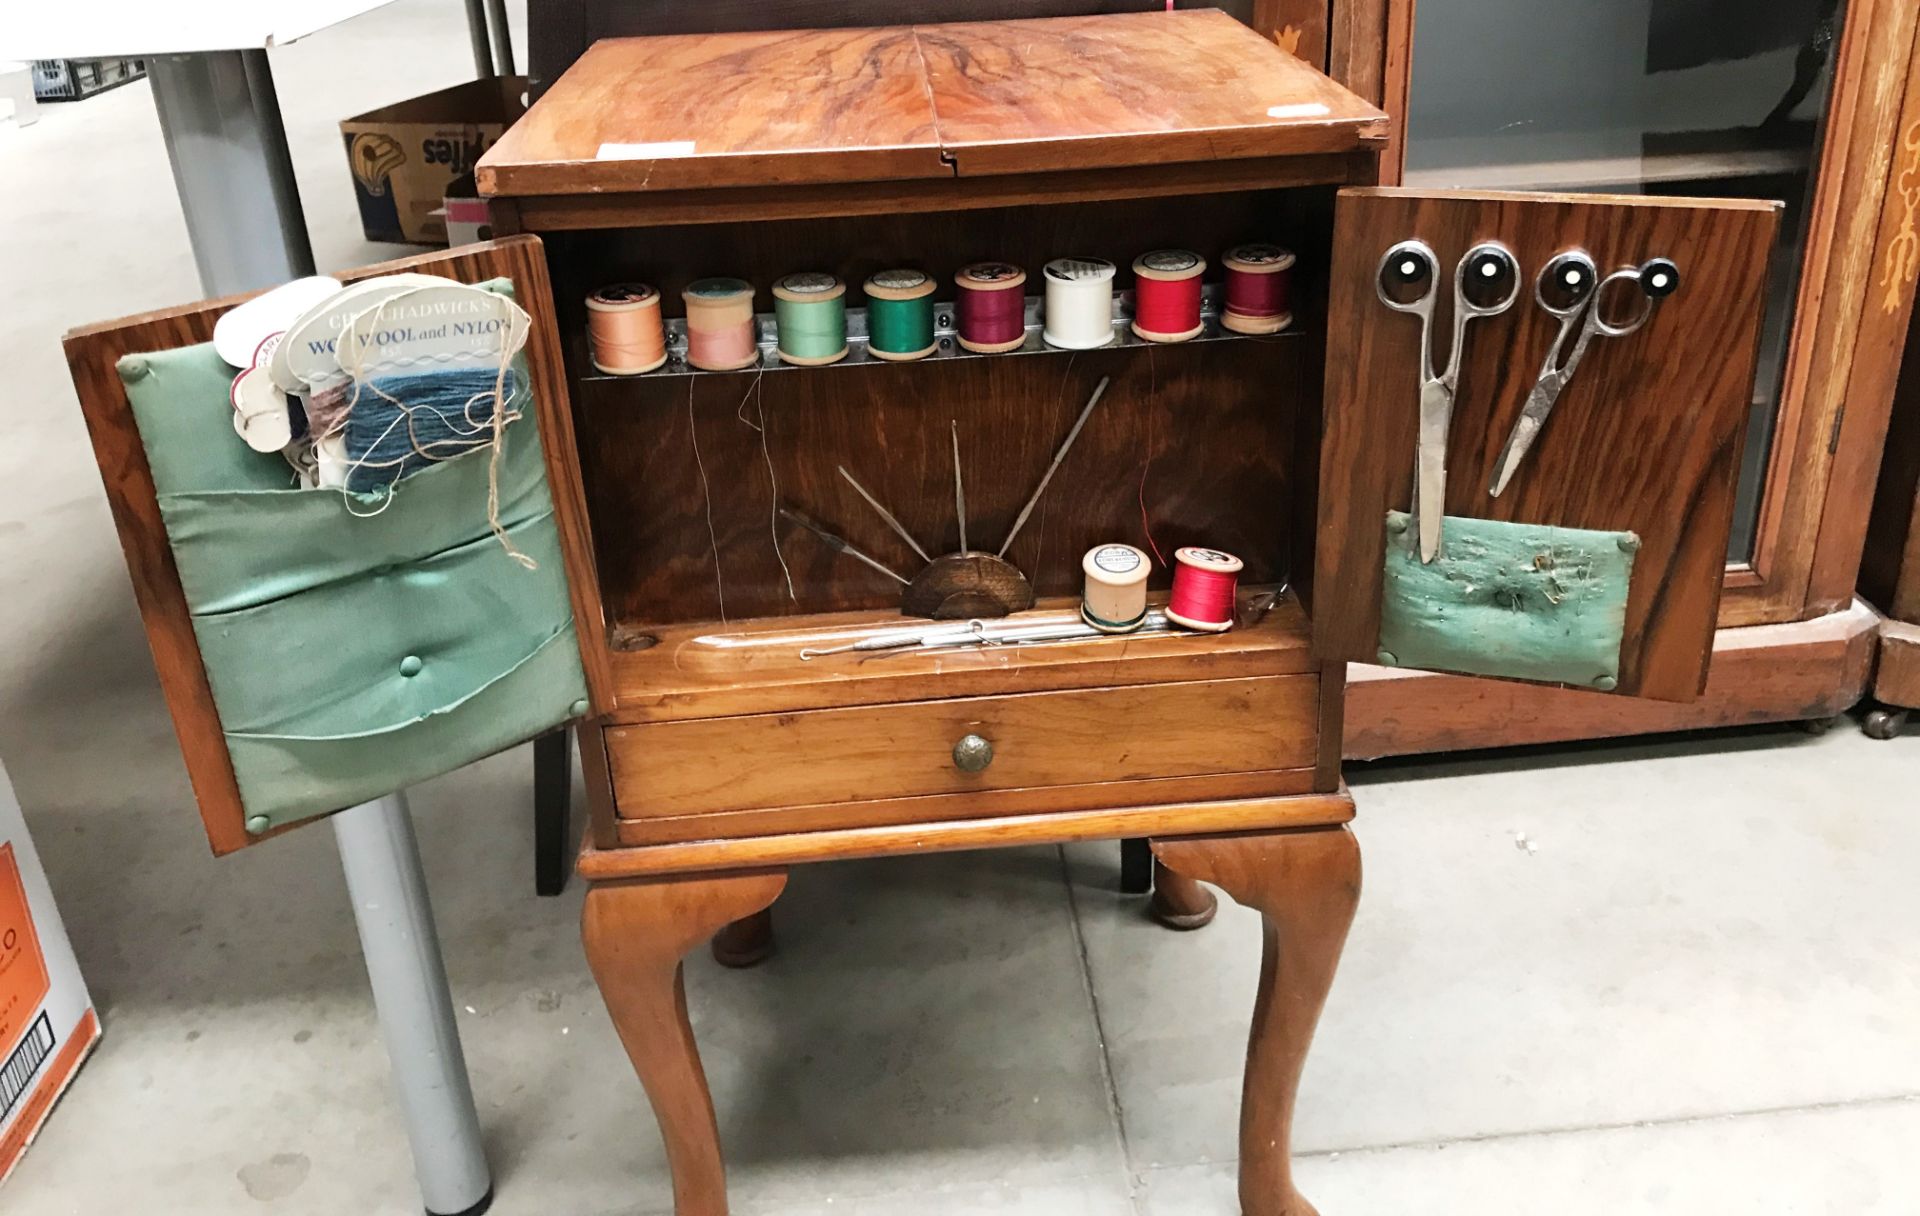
(1810, 101)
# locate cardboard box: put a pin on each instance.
(47, 1023)
(404, 156)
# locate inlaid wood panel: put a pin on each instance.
(1076, 92)
(739, 109)
(1646, 437)
(905, 750)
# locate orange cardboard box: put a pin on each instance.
(47, 1022)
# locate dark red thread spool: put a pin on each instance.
(1204, 583)
(992, 308)
(1166, 295)
(1259, 289)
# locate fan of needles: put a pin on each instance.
(963, 585)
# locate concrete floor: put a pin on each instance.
(1700, 994)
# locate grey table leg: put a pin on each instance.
(389, 890)
(224, 136)
(221, 120)
(477, 32)
(502, 38)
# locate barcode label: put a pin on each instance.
(24, 1063)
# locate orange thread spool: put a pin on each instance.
(624, 329)
(1204, 584)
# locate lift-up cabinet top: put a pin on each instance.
(1597, 564)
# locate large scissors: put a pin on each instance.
(1485, 282)
(1570, 288)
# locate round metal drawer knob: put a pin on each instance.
(972, 754)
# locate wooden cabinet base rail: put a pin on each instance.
(1007, 831)
(1896, 678)
(1761, 673)
(1305, 884)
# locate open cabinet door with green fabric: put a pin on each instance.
(319, 649)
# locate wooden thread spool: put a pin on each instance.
(722, 335)
(1079, 313)
(1204, 584)
(900, 315)
(1166, 295)
(992, 309)
(1116, 596)
(624, 329)
(810, 318)
(1259, 289)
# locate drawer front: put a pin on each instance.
(1134, 733)
(1599, 564)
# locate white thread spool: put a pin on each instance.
(1079, 303)
(1116, 596)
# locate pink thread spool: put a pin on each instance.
(992, 308)
(624, 329)
(1204, 584)
(1259, 289)
(722, 335)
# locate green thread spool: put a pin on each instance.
(810, 311)
(900, 315)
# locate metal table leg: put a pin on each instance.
(224, 136)
(502, 38)
(221, 120)
(477, 32)
(381, 858)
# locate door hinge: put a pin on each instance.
(1833, 440)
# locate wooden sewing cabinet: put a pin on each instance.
(716, 758)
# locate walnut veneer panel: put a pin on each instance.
(1129, 88)
(744, 109)
(905, 750)
(897, 103)
(1646, 437)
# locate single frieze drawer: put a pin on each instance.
(969, 744)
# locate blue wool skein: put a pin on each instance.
(439, 415)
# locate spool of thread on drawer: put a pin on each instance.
(1204, 582)
(1259, 289)
(810, 315)
(991, 306)
(1115, 600)
(722, 335)
(900, 315)
(1166, 295)
(624, 330)
(1079, 309)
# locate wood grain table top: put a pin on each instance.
(922, 102)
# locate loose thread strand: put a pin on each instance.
(773, 488)
(713, 537)
(1153, 398)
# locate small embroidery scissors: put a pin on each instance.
(1485, 282)
(1570, 287)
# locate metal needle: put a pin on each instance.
(885, 514)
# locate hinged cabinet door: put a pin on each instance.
(1599, 562)
(315, 656)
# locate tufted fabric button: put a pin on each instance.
(578, 709)
(258, 824)
(410, 666)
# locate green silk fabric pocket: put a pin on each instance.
(356, 644)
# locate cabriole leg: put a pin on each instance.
(1305, 885)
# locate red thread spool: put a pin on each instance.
(1204, 583)
(992, 308)
(1166, 295)
(1259, 289)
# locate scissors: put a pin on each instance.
(1569, 287)
(1485, 282)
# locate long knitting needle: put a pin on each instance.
(837, 544)
(959, 495)
(1021, 520)
(885, 514)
